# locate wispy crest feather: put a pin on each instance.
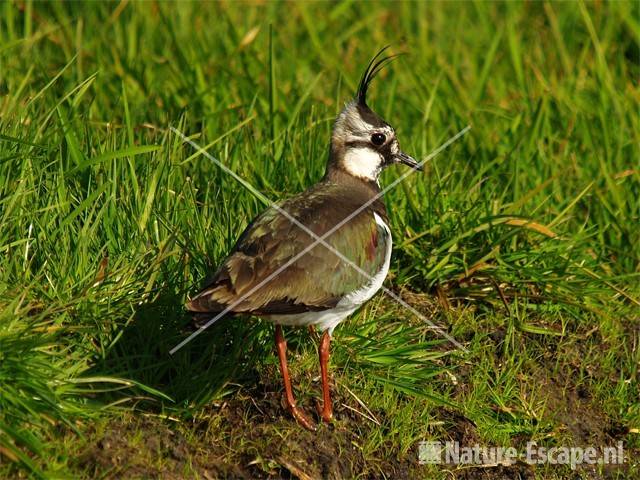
(374, 67)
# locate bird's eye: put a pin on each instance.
(378, 138)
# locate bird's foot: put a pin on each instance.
(302, 418)
(325, 411)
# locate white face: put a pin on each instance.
(363, 157)
(363, 162)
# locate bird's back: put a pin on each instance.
(274, 268)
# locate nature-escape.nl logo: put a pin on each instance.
(452, 453)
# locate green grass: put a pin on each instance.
(522, 239)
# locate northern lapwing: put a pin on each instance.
(314, 285)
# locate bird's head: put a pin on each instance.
(362, 143)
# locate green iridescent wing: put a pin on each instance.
(269, 272)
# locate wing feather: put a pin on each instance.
(315, 281)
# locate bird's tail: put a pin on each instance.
(203, 319)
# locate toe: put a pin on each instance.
(303, 419)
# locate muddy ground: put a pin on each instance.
(251, 436)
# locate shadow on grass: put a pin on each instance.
(227, 353)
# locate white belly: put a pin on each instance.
(329, 319)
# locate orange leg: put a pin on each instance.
(326, 412)
(298, 413)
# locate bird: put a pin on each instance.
(278, 269)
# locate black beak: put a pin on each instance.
(408, 161)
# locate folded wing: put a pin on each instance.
(274, 267)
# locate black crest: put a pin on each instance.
(375, 65)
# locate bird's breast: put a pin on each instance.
(374, 283)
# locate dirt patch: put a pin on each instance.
(248, 436)
(252, 436)
(576, 417)
(148, 448)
